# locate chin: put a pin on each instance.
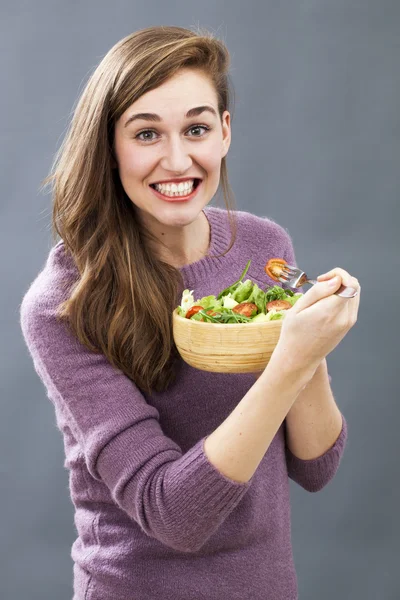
(178, 216)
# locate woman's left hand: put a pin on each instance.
(352, 303)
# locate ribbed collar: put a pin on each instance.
(220, 237)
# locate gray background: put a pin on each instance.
(316, 145)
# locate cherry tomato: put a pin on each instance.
(273, 268)
(248, 309)
(192, 311)
(279, 305)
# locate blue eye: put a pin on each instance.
(148, 139)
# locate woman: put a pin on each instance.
(179, 478)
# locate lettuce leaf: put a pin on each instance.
(257, 296)
(209, 302)
(277, 293)
(243, 291)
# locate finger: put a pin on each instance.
(319, 291)
(336, 271)
(327, 275)
(350, 306)
(354, 304)
(348, 281)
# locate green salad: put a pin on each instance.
(241, 302)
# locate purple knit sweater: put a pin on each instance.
(154, 518)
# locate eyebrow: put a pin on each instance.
(193, 112)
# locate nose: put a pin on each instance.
(176, 158)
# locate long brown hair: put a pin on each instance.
(122, 301)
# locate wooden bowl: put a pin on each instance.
(225, 348)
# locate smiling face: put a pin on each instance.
(176, 143)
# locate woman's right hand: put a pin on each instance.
(318, 321)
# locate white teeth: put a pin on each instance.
(173, 189)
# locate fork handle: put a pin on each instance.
(344, 291)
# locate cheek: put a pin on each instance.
(210, 156)
(132, 162)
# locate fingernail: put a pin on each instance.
(348, 292)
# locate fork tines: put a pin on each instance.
(290, 270)
(290, 275)
(283, 279)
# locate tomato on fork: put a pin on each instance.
(274, 268)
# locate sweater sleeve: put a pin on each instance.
(314, 474)
(179, 498)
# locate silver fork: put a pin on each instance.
(295, 278)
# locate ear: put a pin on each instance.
(226, 133)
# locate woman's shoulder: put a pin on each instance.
(253, 226)
(258, 239)
(256, 232)
(52, 284)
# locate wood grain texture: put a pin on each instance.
(225, 348)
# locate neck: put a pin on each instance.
(183, 245)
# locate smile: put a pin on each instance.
(173, 192)
(176, 189)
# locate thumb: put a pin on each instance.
(317, 292)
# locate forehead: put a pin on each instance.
(177, 95)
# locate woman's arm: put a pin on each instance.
(314, 422)
(310, 331)
(238, 445)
